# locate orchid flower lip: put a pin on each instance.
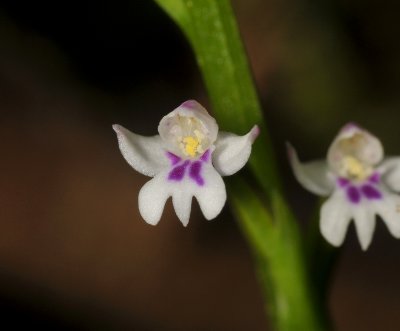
(186, 160)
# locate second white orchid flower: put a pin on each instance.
(186, 159)
(360, 183)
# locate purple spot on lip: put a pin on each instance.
(178, 172)
(375, 178)
(371, 192)
(353, 194)
(206, 156)
(173, 158)
(194, 173)
(342, 182)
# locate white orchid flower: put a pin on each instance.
(360, 183)
(186, 159)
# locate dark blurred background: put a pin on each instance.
(74, 252)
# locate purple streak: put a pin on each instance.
(370, 192)
(353, 194)
(178, 172)
(206, 156)
(342, 182)
(375, 178)
(194, 173)
(175, 159)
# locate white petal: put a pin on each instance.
(232, 151)
(144, 154)
(212, 195)
(314, 176)
(388, 210)
(182, 202)
(152, 198)
(335, 219)
(390, 171)
(364, 219)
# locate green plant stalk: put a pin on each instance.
(211, 29)
(281, 264)
(272, 233)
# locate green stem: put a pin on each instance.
(272, 232)
(211, 29)
(281, 262)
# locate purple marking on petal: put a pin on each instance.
(353, 194)
(194, 173)
(349, 126)
(189, 104)
(375, 178)
(255, 131)
(342, 182)
(206, 156)
(370, 192)
(175, 159)
(178, 172)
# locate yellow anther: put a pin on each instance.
(191, 145)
